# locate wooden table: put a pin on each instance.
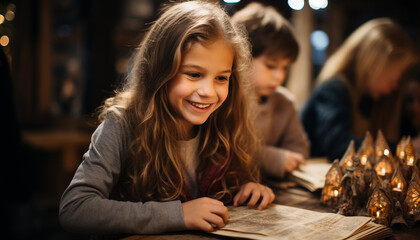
(69, 144)
(291, 196)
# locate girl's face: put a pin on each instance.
(202, 82)
(268, 73)
(386, 81)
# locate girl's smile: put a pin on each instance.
(202, 107)
(202, 82)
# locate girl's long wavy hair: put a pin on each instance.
(155, 171)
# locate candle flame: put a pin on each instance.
(383, 171)
(335, 193)
(377, 213)
(410, 161)
(386, 152)
(363, 160)
(399, 185)
(401, 154)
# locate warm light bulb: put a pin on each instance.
(383, 171)
(410, 161)
(363, 160)
(401, 154)
(386, 152)
(4, 40)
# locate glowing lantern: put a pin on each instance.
(409, 159)
(332, 191)
(383, 167)
(381, 146)
(379, 207)
(400, 151)
(398, 185)
(347, 159)
(412, 200)
(366, 152)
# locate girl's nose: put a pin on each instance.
(206, 88)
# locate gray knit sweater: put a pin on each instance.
(86, 206)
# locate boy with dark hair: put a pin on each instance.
(274, 49)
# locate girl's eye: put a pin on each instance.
(193, 75)
(222, 78)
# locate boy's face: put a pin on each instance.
(268, 73)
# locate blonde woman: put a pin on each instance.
(360, 89)
(176, 141)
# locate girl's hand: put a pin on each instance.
(256, 191)
(204, 214)
(293, 160)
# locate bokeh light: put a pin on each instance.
(296, 4)
(4, 40)
(318, 4)
(319, 40)
(231, 1)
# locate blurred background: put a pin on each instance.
(61, 58)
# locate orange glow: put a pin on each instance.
(363, 160)
(4, 40)
(410, 161)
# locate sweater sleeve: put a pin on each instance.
(327, 120)
(85, 206)
(292, 137)
(273, 161)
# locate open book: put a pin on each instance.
(312, 176)
(284, 222)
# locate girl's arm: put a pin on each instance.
(85, 206)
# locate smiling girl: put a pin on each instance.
(175, 143)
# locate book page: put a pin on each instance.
(312, 176)
(284, 222)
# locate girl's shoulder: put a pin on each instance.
(115, 113)
(116, 117)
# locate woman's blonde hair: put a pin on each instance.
(155, 172)
(368, 50)
(377, 44)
